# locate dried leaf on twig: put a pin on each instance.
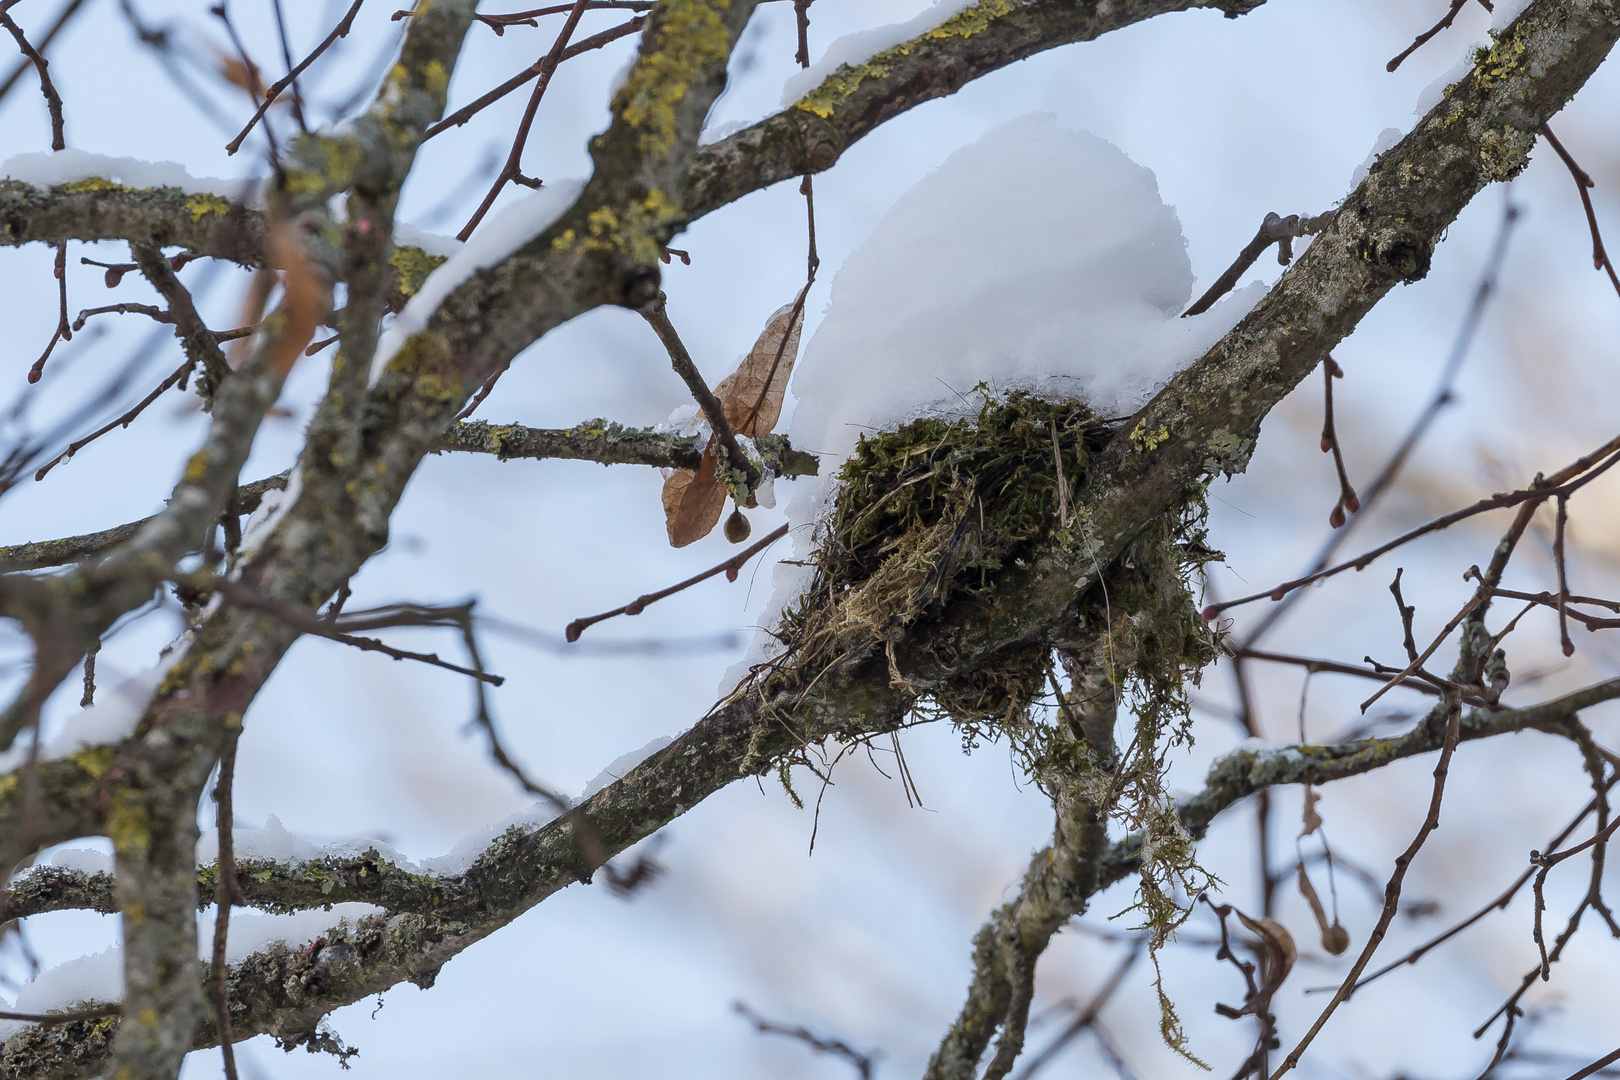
(693, 501)
(752, 395)
(1312, 820)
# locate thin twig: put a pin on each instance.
(1330, 444)
(1444, 23)
(53, 100)
(583, 45)
(1275, 229)
(1584, 183)
(1600, 461)
(862, 1063)
(1392, 891)
(513, 170)
(291, 78)
(657, 316)
(123, 421)
(224, 897)
(63, 17)
(635, 607)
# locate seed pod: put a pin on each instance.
(737, 527)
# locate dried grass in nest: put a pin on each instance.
(929, 513)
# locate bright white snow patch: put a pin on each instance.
(860, 47)
(430, 242)
(273, 506)
(1435, 92)
(1506, 11)
(112, 717)
(499, 237)
(1386, 139)
(100, 976)
(1038, 258)
(623, 764)
(66, 166)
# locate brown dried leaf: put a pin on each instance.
(693, 501)
(1278, 959)
(752, 395)
(1312, 820)
(1335, 938)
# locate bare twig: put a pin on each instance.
(1443, 24)
(635, 607)
(224, 897)
(53, 100)
(657, 316)
(1275, 229)
(269, 96)
(513, 170)
(1392, 891)
(1584, 183)
(862, 1063)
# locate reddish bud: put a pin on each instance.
(1209, 613)
(634, 607)
(572, 632)
(1277, 594)
(112, 278)
(1352, 504)
(1327, 444)
(1336, 519)
(1569, 648)
(34, 373)
(731, 573)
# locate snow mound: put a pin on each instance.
(1038, 258)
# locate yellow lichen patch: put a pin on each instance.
(1149, 441)
(91, 183)
(691, 39)
(202, 204)
(421, 359)
(414, 265)
(196, 468)
(436, 79)
(95, 761)
(128, 826)
(837, 87)
(637, 234)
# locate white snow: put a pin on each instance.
(99, 977)
(273, 506)
(112, 717)
(501, 235)
(623, 764)
(860, 47)
(84, 860)
(66, 166)
(1386, 139)
(722, 130)
(430, 242)
(1038, 258)
(1436, 90)
(1506, 11)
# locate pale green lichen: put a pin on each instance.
(824, 100)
